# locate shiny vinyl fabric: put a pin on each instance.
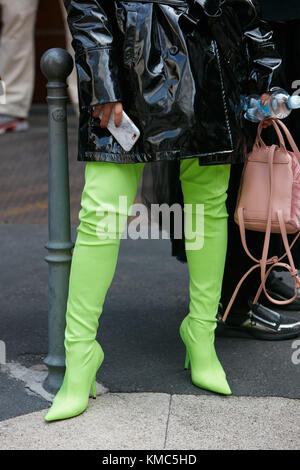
(179, 68)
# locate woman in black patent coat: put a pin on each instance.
(179, 69)
(187, 71)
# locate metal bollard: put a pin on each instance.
(56, 64)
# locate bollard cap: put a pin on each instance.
(56, 64)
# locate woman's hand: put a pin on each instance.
(107, 109)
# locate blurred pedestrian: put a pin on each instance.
(17, 62)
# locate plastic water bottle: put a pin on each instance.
(277, 103)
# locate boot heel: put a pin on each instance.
(94, 388)
(187, 359)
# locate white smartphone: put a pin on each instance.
(126, 134)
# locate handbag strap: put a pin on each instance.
(264, 261)
(290, 267)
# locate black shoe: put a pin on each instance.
(261, 322)
(280, 286)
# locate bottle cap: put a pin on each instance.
(294, 102)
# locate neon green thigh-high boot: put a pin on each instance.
(205, 186)
(102, 221)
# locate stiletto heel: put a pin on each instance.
(206, 370)
(187, 359)
(94, 388)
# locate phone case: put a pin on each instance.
(126, 134)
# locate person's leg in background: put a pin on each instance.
(72, 78)
(17, 55)
(93, 266)
(205, 186)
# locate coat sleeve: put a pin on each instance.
(263, 58)
(96, 58)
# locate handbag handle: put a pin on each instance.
(289, 137)
(275, 121)
(262, 125)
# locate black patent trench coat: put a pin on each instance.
(179, 73)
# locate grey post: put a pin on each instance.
(56, 64)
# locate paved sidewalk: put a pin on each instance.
(161, 421)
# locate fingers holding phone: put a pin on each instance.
(113, 117)
(107, 108)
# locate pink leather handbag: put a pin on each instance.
(269, 201)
